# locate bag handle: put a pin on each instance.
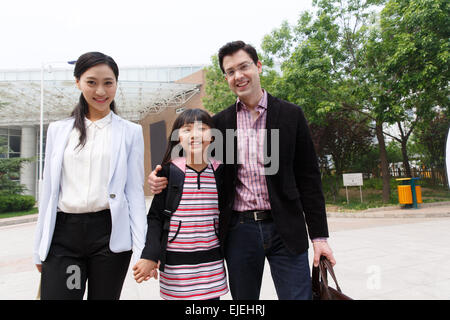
(324, 266)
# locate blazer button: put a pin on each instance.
(112, 195)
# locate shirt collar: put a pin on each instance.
(100, 123)
(261, 104)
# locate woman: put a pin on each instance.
(92, 205)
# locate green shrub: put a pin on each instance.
(16, 202)
(377, 183)
(329, 182)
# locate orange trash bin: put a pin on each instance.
(418, 194)
(408, 196)
(404, 194)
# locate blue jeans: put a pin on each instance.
(248, 244)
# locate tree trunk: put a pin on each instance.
(383, 162)
(406, 159)
(403, 141)
(337, 168)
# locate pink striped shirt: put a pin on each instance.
(251, 189)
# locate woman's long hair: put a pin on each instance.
(186, 117)
(85, 62)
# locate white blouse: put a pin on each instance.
(85, 171)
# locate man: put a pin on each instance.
(269, 213)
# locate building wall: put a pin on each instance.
(168, 116)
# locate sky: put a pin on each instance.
(134, 32)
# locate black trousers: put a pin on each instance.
(80, 252)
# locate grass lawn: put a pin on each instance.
(372, 198)
(16, 214)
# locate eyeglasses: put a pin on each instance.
(242, 68)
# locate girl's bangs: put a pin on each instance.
(197, 115)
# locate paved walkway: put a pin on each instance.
(380, 255)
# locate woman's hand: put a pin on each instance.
(145, 269)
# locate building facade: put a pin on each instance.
(150, 96)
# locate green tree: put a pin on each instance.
(9, 169)
(408, 56)
(324, 67)
(394, 152)
(430, 140)
(389, 68)
(217, 94)
(10, 172)
(342, 138)
(368, 162)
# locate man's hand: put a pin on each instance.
(157, 184)
(321, 248)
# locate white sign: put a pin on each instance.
(353, 179)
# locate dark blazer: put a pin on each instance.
(160, 210)
(295, 190)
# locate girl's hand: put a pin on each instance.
(145, 269)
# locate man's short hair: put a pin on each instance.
(233, 47)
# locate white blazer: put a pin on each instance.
(125, 187)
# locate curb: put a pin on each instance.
(18, 220)
(399, 215)
(397, 212)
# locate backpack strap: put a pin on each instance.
(173, 197)
(174, 190)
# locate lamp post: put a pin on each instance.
(41, 122)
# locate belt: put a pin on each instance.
(256, 215)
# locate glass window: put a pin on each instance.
(162, 75)
(152, 75)
(14, 143)
(15, 132)
(185, 71)
(174, 74)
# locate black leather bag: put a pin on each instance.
(320, 288)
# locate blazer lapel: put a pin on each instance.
(232, 118)
(231, 123)
(116, 142)
(273, 110)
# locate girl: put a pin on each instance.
(92, 205)
(183, 219)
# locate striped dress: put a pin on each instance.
(193, 231)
